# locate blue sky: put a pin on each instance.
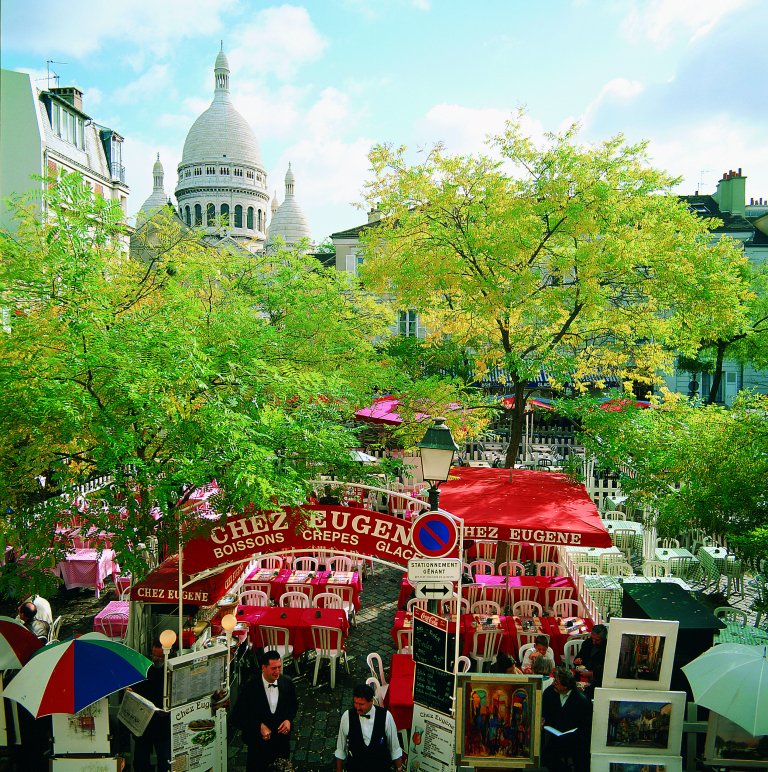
(322, 81)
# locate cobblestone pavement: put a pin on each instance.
(320, 708)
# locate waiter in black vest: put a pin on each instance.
(367, 736)
(264, 713)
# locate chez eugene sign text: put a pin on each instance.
(346, 529)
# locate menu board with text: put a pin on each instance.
(195, 675)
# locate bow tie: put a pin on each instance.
(272, 686)
(365, 715)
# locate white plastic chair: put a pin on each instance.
(305, 564)
(327, 600)
(609, 560)
(733, 615)
(376, 666)
(404, 638)
(413, 603)
(571, 648)
(624, 539)
(485, 647)
(378, 692)
(481, 568)
(53, 631)
(115, 626)
(653, 569)
(345, 593)
(302, 587)
(265, 587)
(276, 639)
(543, 553)
(614, 514)
(329, 644)
(273, 563)
(486, 607)
(486, 550)
(455, 606)
(517, 594)
(554, 594)
(463, 664)
(527, 608)
(294, 600)
(472, 592)
(254, 598)
(587, 569)
(550, 569)
(568, 608)
(512, 568)
(339, 563)
(668, 544)
(619, 569)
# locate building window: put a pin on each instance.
(210, 170)
(259, 218)
(198, 171)
(210, 215)
(249, 218)
(238, 172)
(249, 174)
(188, 216)
(198, 214)
(56, 119)
(238, 216)
(224, 170)
(225, 215)
(187, 172)
(407, 323)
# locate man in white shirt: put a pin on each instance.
(367, 739)
(540, 649)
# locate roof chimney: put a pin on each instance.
(731, 192)
(71, 95)
(374, 215)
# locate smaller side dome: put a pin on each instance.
(288, 221)
(157, 199)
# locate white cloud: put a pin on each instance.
(285, 39)
(618, 91)
(662, 21)
(77, 28)
(154, 81)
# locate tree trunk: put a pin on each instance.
(717, 376)
(516, 424)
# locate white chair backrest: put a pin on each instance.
(327, 600)
(614, 514)
(487, 607)
(544, 552)
(344, 592)
(339, 563)
(305, 564)
(587, 569)
(463, 664)
(550, 569)
(53, 632)
(654, 568)
(610, 558)
(481, 568)
(729, 614)
(571, 648)
(669, 544)
(276, 638)
(413, 603)
(486, 644)
(377, 667)
(486, 550)
(568, 608)
(265, 587)
(526, 647)
(254, 598)
(522, 593)
(512, 568)
(554, 594)
(451, 605)
(125, 593)
(473, 593)
(527, 608)
(619, 569)
(327, 640)
(305, 589)
(376, 686)
(273, 563)
(294, 600)
(404, 640)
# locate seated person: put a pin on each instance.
(540, 649)
(504, 664)
(566, 710)
(544, 666)
(28, 616)
(592, 655)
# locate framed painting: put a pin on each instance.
(640, 653)
(728, 745)
(498, 720)
(638, 722)
(617, 762)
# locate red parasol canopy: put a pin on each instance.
(383, 410)
(162, 585)
(535, 507)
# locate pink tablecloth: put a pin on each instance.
(320, 582)
(87, 568)
(119, 627)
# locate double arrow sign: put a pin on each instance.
(434, 590)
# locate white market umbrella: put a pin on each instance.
(732, 680)
(363, 458)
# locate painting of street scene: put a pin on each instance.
(638, 724)
(734, 744)
(498, 721)
(640, 656)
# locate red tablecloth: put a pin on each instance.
(399, 697)
(87, 568)
(298, 621)
(119, 627)
(319, 582)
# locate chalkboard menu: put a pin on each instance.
(433, 688)
(433, 644)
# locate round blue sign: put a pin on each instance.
(434, 535)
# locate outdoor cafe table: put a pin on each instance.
(87, 568)
(628, 525)
(298, 621)
(735, 632)
(118, 626)
(320, 580)
(399, 697)
(612, 587)
(663, 554)
(713, 561)
(552, 627)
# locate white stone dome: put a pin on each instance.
(288, 221)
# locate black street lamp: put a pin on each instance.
(437, 448)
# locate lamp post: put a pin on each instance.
(437, 448)
(228, 622)
(167, 639)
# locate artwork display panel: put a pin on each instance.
(498, 720)
(638, 722)
(728, 744)
(610, 762)
(640, 654)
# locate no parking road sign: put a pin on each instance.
(434, 535)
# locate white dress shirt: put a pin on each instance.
(273, 693)
(366, 726)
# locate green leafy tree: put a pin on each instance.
(574, 260)
(164, 373)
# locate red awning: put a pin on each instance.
(162, 585)
(535, 507)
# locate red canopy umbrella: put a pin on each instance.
(17, 644)
(383, 410)
(534, 507)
